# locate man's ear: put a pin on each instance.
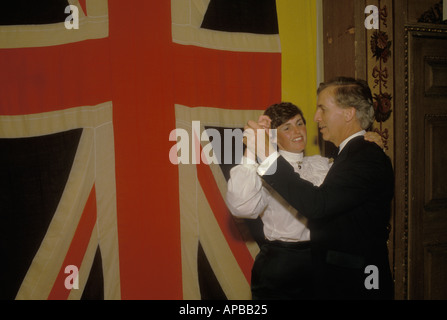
(349, 114)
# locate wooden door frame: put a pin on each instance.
(402, 223)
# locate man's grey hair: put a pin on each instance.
(350, 92)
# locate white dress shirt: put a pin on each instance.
(343, 144)
(267, 163)
(247, 197)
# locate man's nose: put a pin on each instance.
(317, 117)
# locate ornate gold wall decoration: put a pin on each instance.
(380, 73)
(433, 15)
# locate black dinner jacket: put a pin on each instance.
(349, 213)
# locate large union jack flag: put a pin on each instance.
(85, 120)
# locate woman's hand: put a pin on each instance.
(374, 137)
(261, 149)
(265, 122)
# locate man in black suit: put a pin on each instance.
(349, 213)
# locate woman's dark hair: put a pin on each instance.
(282, 112)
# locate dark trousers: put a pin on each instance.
(342, 276)
(282, 271)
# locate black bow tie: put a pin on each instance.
(334, 154)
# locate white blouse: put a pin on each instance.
(248, 198)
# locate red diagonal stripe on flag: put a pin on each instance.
(77, 249)
(83, 6)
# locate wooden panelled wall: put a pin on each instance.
(385, 59)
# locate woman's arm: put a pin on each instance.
(246, 198)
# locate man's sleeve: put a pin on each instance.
(348, 187)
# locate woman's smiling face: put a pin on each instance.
(292, 135)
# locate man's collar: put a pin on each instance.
(343, 144)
